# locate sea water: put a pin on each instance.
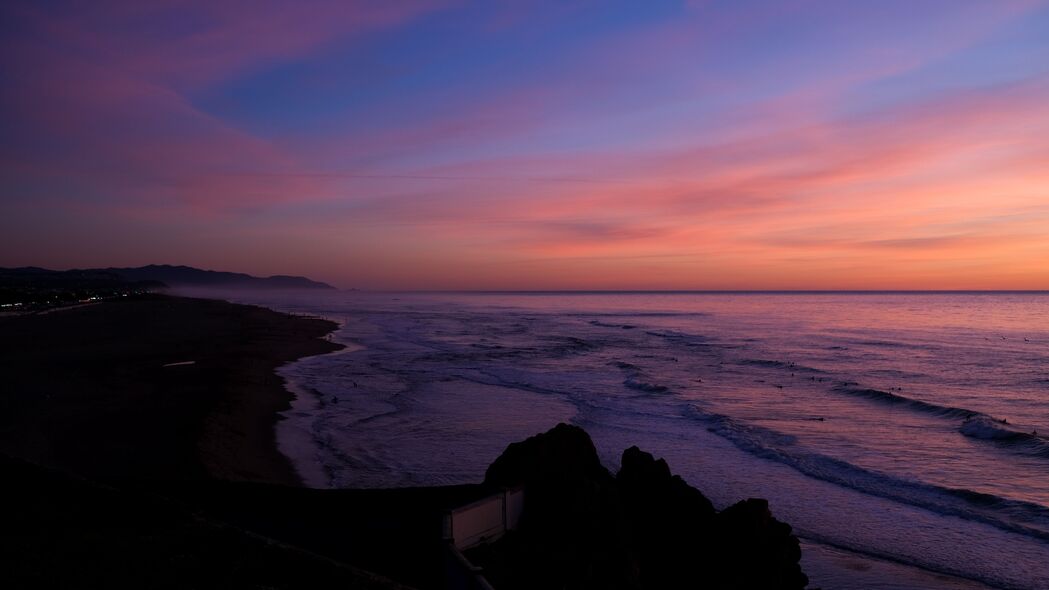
(905, 436)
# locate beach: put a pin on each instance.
(120, 425)
(156, 387)
(168, 412)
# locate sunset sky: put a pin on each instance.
(722, 144)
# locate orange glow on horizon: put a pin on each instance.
(695, 151)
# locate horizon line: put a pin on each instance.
(701, 291)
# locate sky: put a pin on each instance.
(432, 144)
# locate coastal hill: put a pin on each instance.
(154, 275)
(29, 288)
(187, 276)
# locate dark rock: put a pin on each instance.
(755, 550)
(642, 477)
(669, 521)
(563, 453)
(572, 532)
(645, 528)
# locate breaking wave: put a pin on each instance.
(897, 399)
(1011, 515)
(984, 427)
(975, 425)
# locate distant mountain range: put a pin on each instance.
(158, 275)
(187, 276)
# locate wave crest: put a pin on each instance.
(915, 404)
(984, 427)
(1012, 515)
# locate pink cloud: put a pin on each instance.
(868, 184)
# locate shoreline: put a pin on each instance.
(130, 467)
(286, 339)
(88, 392)
(851, 565)
(219, 420)
(293, 435)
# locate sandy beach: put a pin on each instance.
(88, 391)
(111, 459)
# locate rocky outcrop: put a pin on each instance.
(754, 550)
(562, 454)
(573, 532)
(668, 520)
(645, 528)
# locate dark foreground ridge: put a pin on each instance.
(644, 528)
(581, 528)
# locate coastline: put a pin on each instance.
(87, 390)
(227, 410)
(124, 425)
(397, 346)
(293, 428)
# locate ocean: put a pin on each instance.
(904, 436)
